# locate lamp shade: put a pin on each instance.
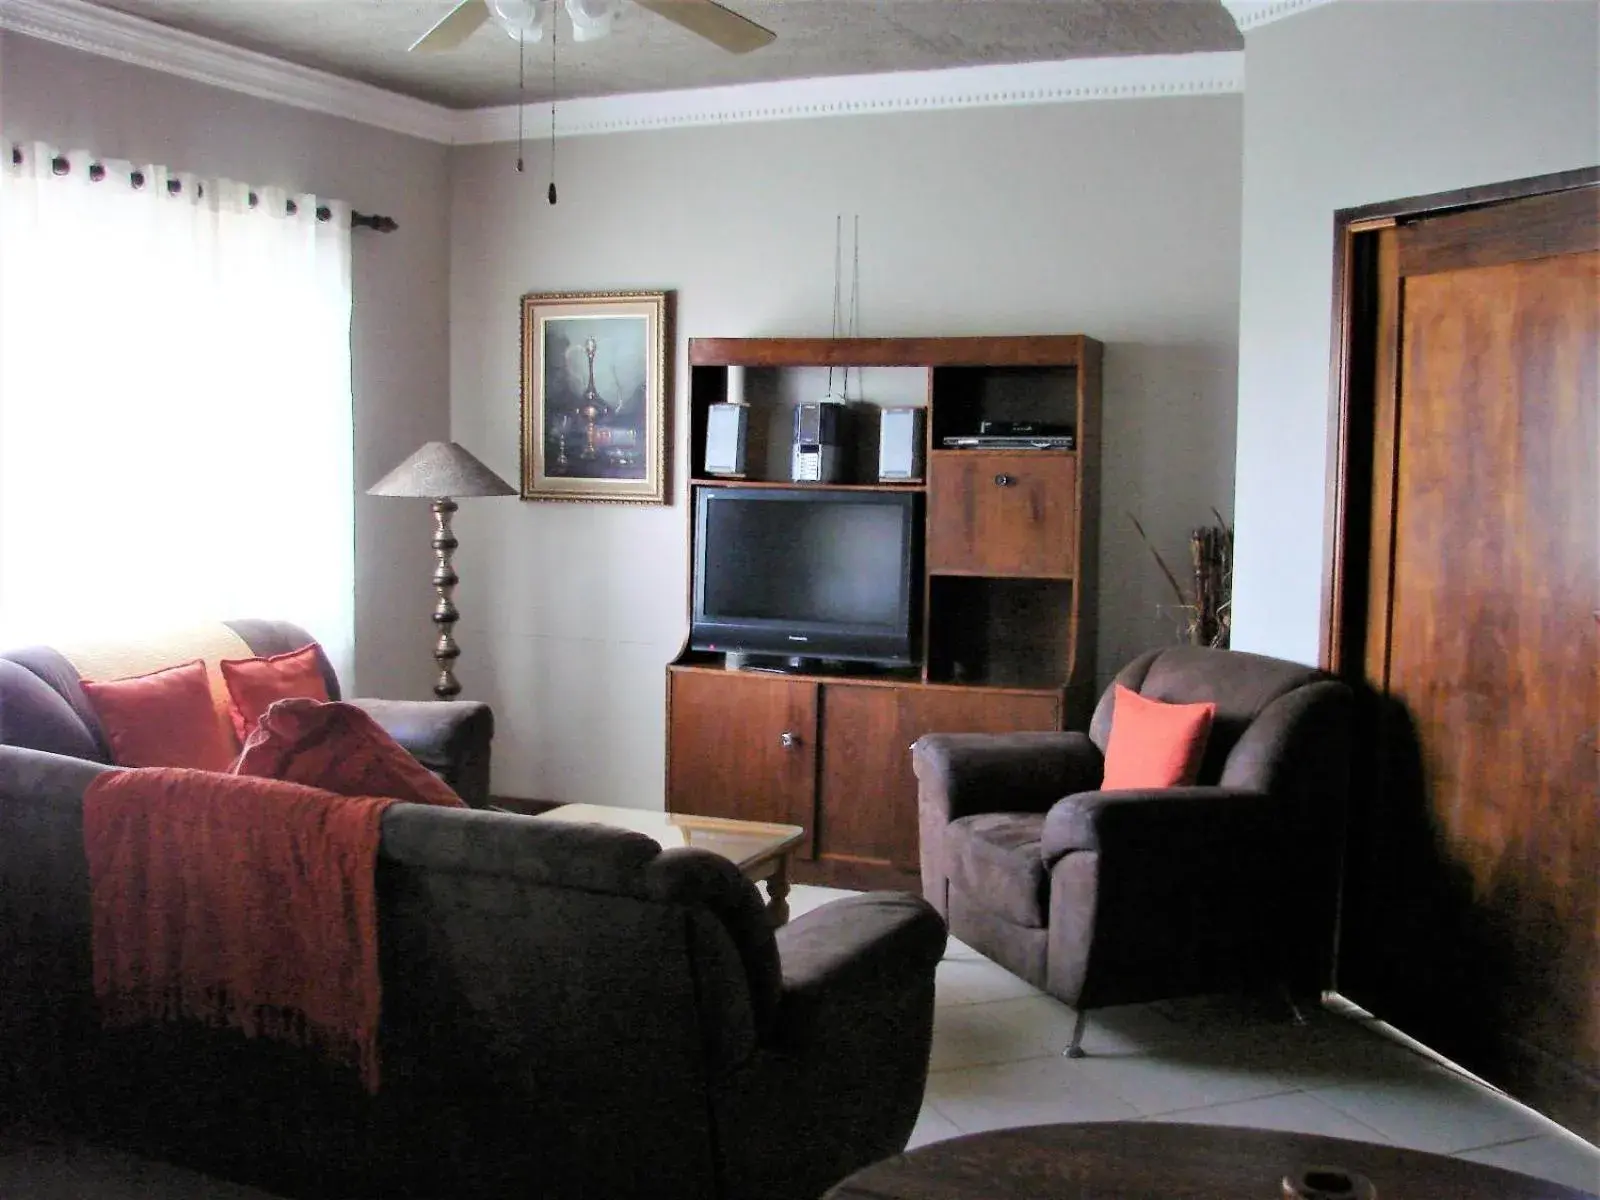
(441, 469)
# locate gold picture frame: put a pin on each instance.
(596, 390)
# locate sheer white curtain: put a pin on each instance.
(175, 407)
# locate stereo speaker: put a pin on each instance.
(818, 424)
(818, 431)
(900, 445)
(727, 426)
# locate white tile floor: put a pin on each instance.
(997, 1061)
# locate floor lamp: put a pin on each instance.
(441, 471)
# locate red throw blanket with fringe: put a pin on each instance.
(237, 901)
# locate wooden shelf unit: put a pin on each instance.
(1010, 548)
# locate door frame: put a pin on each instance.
(1353, 364)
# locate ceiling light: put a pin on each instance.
(527, 20)
(523, 20)
(590, 18)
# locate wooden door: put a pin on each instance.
(743, 746)
(867, 811)
(1002, 514)
(1473, 883)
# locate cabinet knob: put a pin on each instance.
(1004, 480)
(788, 740)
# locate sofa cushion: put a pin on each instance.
(1154, 744)
(263, 639)
(336, 746)
(164, 719)
(255, 684)
(995, 858)
(156, 650)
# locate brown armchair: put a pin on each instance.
(1122, 897)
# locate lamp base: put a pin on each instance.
(447, 686)
(445, 650)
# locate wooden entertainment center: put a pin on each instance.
(1008, 542)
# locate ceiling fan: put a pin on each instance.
(526, 20)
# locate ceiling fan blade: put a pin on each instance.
(722, 26)
(460, 23)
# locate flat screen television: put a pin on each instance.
(807, 576)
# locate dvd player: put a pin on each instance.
(995, 441)
(995, 428)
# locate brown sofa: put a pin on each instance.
(568, 1012)
(1119, 897)
(43, 705)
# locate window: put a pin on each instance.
(175, 405)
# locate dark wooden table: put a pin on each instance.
(1140, 1160)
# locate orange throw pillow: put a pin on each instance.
(339, 748)
(163, 719)
(1154, 744)
(254, 684)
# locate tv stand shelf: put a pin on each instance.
(1005, 579)
(727, 482)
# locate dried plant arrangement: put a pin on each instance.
(1205, 608)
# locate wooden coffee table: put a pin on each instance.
(759, 850)
(1135, 1160)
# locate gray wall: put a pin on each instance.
(1350, 104)
(1117, 219)
(399, 336)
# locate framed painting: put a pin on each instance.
(595, 391)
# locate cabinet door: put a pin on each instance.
(868, 805)
(743, 746)
(1002, 514)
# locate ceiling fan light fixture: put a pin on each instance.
(527, 20)
(522, 20)
(590, 19)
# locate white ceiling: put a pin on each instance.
(367, 40)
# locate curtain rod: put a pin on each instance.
(375, 223)
(61, 165)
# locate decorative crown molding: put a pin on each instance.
(1250, 14)
(111, 34)
(82, 26)
(1134, 77)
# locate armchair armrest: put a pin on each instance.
(839, 955)
(960, 774)
(838, 1080)
(449, 737)
(1188, 822)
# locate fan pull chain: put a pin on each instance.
(522, 94)
(555, 27)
